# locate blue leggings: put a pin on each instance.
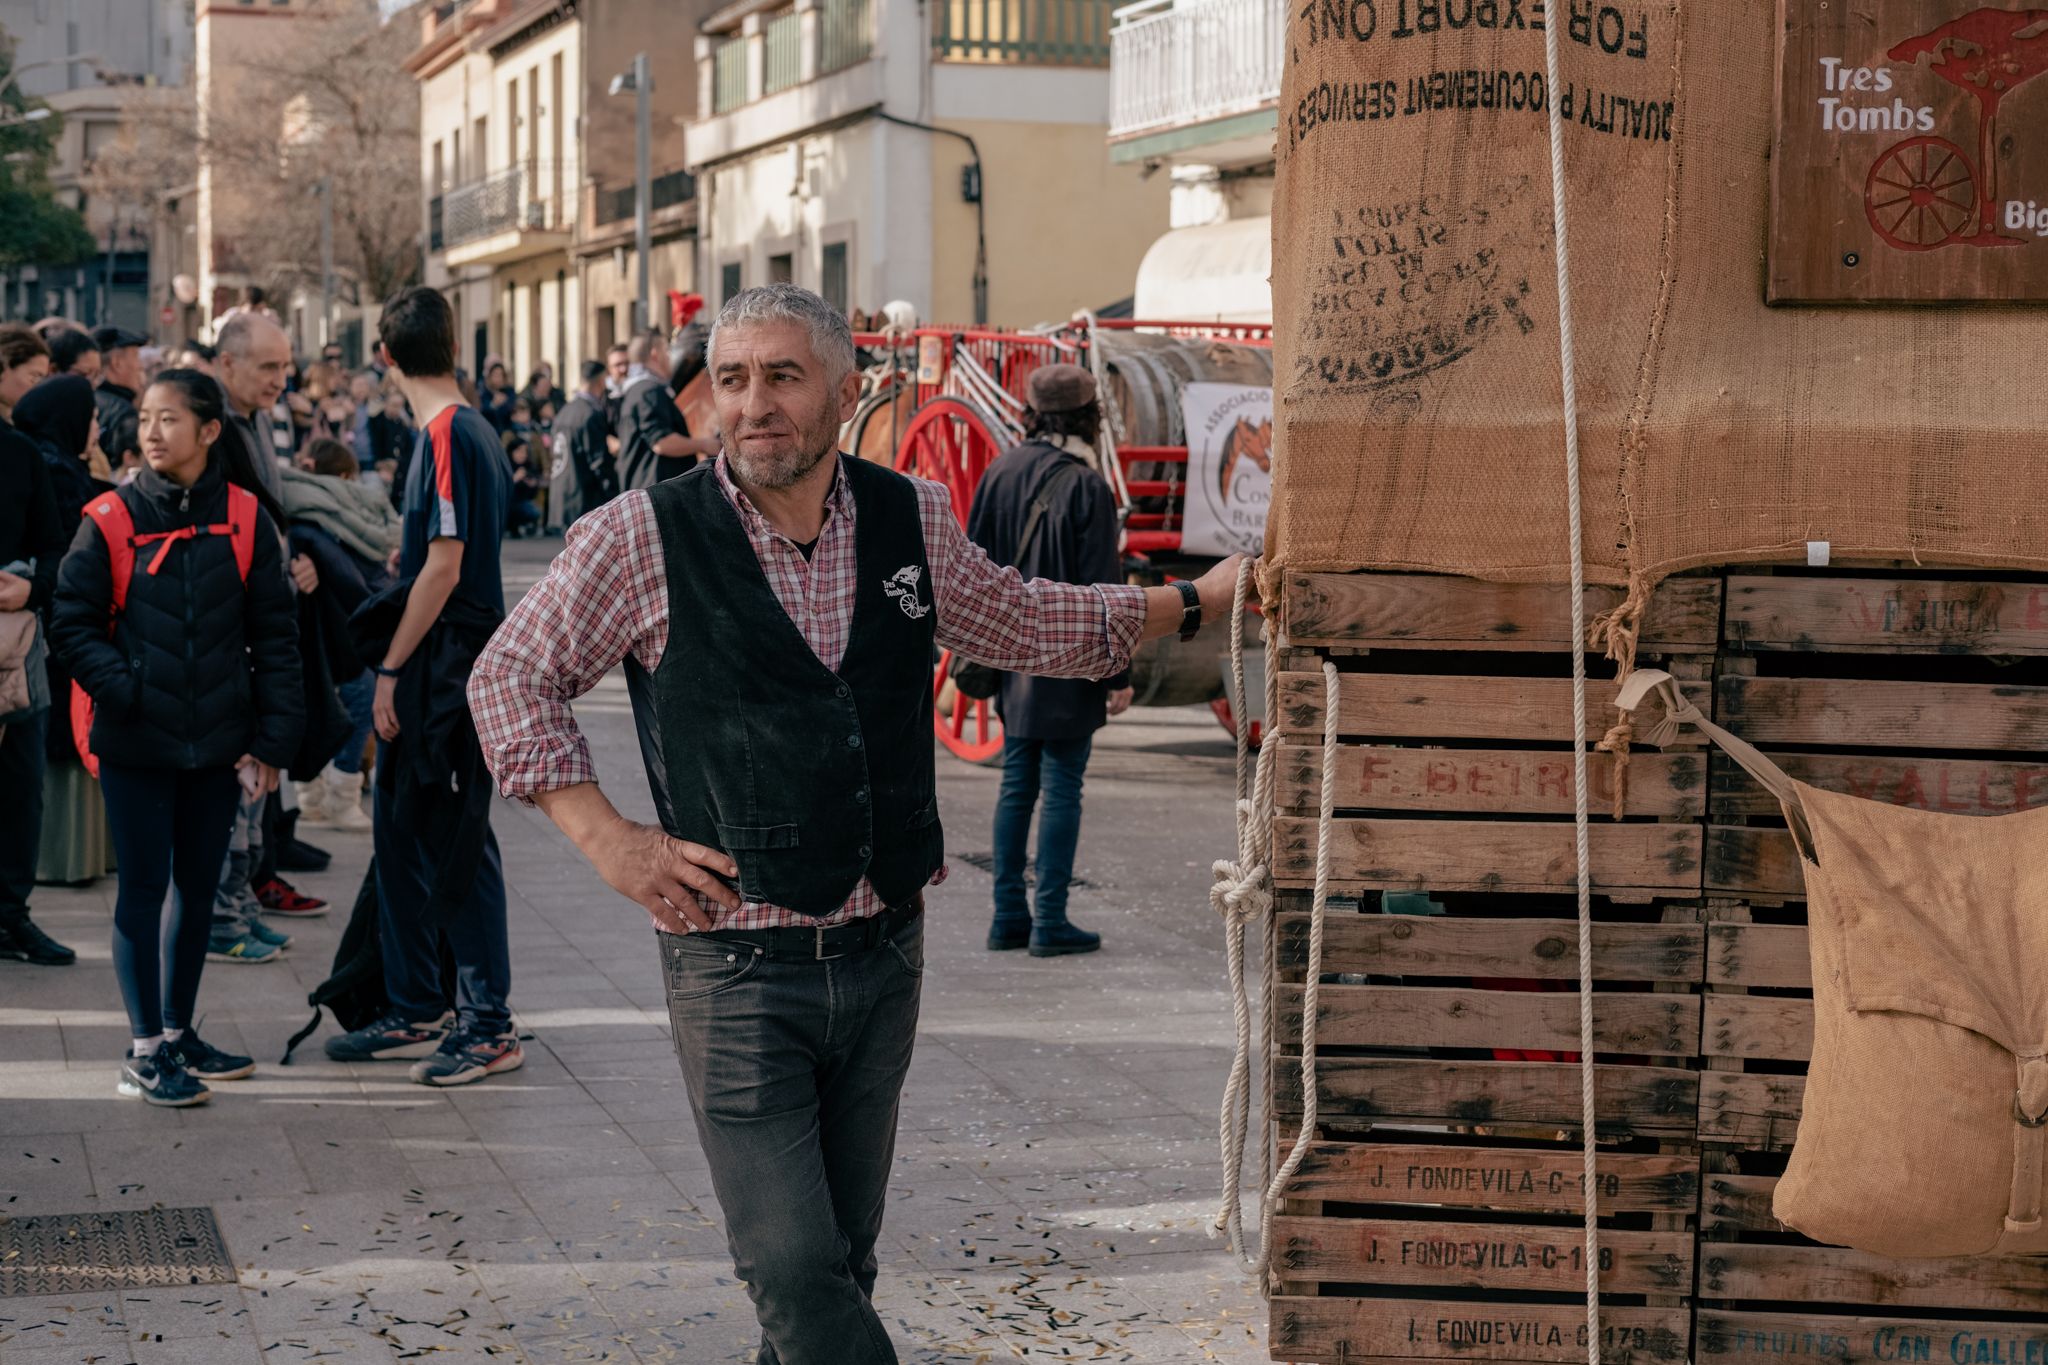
(168, 825)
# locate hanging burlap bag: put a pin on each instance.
(1925, 1119)
(1415, 301)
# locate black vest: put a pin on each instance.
(809, 779)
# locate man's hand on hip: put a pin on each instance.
(666, 876)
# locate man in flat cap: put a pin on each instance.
(778, 610)
(120, 380)
(1046, 510)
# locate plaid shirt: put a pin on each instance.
(606, 596)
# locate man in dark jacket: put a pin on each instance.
(654, 441)
(31, 546)
(120, 381)
(584, 435)
(1045, 510)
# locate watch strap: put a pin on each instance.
(1191, 608)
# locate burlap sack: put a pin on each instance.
(1416, 309)
(1926, 1112)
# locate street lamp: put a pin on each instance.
(640, 81)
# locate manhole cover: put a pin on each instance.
(987, 863)
(74, 1253)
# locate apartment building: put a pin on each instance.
(1196, 84)
(945, 153)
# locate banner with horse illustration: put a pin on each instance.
(1230, 467)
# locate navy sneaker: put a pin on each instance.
(160, 1080)
(466, 1056)
(1004, 935)
(394, 1036)
(263, 933)
(204, 1060)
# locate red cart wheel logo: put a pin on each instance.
(1927, 192)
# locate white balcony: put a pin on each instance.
(1177, 65)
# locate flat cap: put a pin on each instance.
(1059, 388)
(117, 338)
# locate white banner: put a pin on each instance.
(1230, 468)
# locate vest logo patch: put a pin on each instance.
(902, 585)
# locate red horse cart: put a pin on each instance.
(944, 404)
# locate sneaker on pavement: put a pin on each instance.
(239, 947)
(342, 795)
(161, 1080)
(280, 897)
(207, 1062)
(262, 932)
(465, 1056)
(22, 941)
(391, 1038)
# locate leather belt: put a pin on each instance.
(823, 942)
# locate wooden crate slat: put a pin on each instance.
(1837, 1276)
(1741, 1109)
(1488, 855)
(1960, 786)
(1516, 1180)
(1882, 714)
(1742, 861)
(1743, 1338)
(1734, 1204)
(1447, 1016)
(1762, 1027)
(1429, 611)
(1495, 781)
(1450, 706)
(1886, 615)
(1487, 1256)
(1450, 945)
(1771, 956)
(1316, 1329)
(1627, 1099)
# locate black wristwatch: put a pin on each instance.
(1191, 612)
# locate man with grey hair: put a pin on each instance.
(655, 443)
(791, 761)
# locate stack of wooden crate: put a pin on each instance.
(1437, 1214)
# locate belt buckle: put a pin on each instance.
(818, 953)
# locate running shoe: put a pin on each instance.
(263, 933)
(207, 1062)
(390, 1038)
(161, 1080)
(237, 947)
(280, 897)
(466, 1056)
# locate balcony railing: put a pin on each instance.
(782, 52)
(1022, 32)
(729, 75)
(615, 205)
(529, 196)
(1180, 62)
(844, 35)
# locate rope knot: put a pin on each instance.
(1240, 896)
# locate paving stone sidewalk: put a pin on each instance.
(1056, 1168)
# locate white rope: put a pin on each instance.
(1581, 817)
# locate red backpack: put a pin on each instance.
(117, 529)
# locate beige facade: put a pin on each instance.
(229, 38)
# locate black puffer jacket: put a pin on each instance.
(200, 669)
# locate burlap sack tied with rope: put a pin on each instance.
(1926, 1111)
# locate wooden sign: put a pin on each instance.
(1911, 156)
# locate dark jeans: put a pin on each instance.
(168, 825)
(795, 1069)
(21, 833)
(358, 696)
(1056, 767)
(412, 948)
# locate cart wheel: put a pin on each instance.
(1228, 720)
(970, 728)
(950, 441)
(1922, 194)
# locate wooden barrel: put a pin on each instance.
(1147, 373)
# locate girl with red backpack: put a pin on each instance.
(174, 615)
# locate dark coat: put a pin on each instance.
(581, 425)
(29, 525)
(73, 486)
(120, 427)
(1075, 544)
(434, 772)
(201, 668)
